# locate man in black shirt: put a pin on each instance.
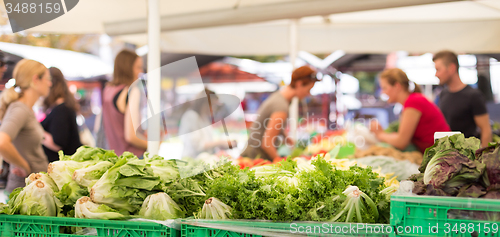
(463, 107)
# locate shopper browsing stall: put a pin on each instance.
(272, 115)
(118, 106)
(60, 123)
(420, 118)
(463, 107)
(21, 134)
(196, 126)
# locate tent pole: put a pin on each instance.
(294, 106)
(154, 75)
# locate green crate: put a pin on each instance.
(42, 226)
(242, 228)
(445, 216)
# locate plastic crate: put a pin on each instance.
(445, 216)
(241, 228)
(42, 226)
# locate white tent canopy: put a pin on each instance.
(72, 64)
(465, 26)
(118, 17)
(211, 27)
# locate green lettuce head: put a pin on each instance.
(36, 199)
(160, 207)
(85, 208)
(44, 177)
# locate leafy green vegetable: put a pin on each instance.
(86, 153)
(125, 185)
(85, 208)
(291, 193)
(297, 151)
(4, 208)
(71, 192)
(215, 209)
(62, 171)
(471, 190)
(490, 156)
(44, 177)
(354, 202)
(167, 170)
(161, 207)
(465, 146)
(87, 177)
(449, 170)
(189, 189)
(36, 199)
(393, 127)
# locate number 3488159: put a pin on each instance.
(33, 7)
(471, 227)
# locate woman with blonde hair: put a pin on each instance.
(116, 109)
(21, 135)
(420, 118)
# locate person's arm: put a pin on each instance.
(483, 122)
(48, 142)
(407, 127)
(219, 143)
(11, 155)
(132, 115)
(273, 129)
(192, 129)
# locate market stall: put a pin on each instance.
(332, 179)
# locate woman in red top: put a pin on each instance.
(420, 118)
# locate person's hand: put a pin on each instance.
(48, 141)
(232, 143)
(375, 127)
(227, 144)
(289, 141)
(23, 173)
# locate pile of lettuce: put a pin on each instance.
(96, 183)
(288, 192)
(456, 166)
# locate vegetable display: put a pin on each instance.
(315, 192)
(412, 156)
(402, 169)
(455, 166)
(98, 184)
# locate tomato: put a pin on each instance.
(257, 161)
(245, 162)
